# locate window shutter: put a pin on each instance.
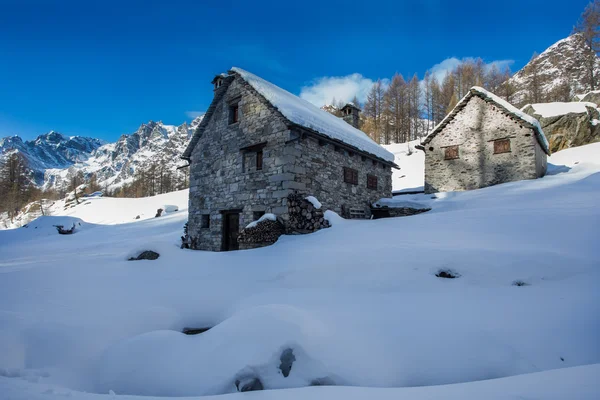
(451, 153)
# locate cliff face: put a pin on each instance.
(557, 73)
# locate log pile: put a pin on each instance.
(265, 232)
(303, 216)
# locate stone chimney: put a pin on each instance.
(218, 81)
(350, 114)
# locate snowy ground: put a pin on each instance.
(411, 175)
(359, 303)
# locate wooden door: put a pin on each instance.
(231, 230)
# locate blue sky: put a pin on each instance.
(101, 68)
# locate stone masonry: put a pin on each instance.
(224, 175)
(474, 129)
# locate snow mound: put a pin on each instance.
(303, 113)
(267, 216)
(547, 110)
(313, 200)
(169, 208)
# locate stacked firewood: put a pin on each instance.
(303, 216)
(265, 231)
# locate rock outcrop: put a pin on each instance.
(567, 124)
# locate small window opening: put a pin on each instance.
(234, 114)
(337, 149)
(259, 160)
(205, 223)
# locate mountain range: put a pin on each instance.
(52, 158)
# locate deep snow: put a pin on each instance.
(358, 303)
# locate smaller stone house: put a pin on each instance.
(483, 141)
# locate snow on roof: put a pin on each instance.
(546, 110)
(303, 113)
(501, 103)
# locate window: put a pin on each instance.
(350, 176)
(337, 149)
(371, 182)
(501, 146)
(257, 214)
(374, 163)
(234, 115)
(205, 223)
(451, 153)
(259, 160)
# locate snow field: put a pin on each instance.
(359, 303)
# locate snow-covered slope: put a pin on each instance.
(561, 63)
(411, 175)
(53, 157)
(359, 303)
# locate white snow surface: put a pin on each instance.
(313, 200)
(265, 217)
(303, 113)
(358, 303)
(547, 110)
(411, 175)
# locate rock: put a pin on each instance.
(137, 217)
(447, 274)
(194, 331)
(146, 255)
(520, 283)
(287, 358)
(592, 97)
(169, 208)
(158, 213)
(248, 384)
(570, 129)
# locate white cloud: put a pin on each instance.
(322, 90)
(194, 114)
(440, 70)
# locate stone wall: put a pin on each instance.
(474, 129)
(321, 174)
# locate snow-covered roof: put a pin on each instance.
(307, 115)
(547, 110)
(504, 105)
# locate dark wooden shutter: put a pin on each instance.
(451, 153)
(350, 176)
(371, 182)
(501, 146)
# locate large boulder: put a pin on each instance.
(567, 124)
(590, 97)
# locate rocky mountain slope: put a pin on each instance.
(53, 158)
(561, 65)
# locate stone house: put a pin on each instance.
(258, 143)
(483, 141)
